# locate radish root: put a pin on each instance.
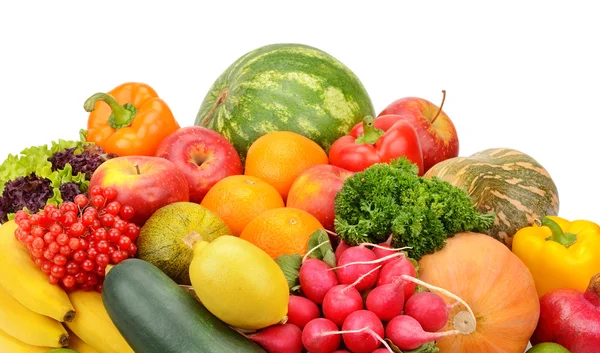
(361, 278)
(385, 248)
(385, 258)
(313, 249)
(367, 329)
(464, 322)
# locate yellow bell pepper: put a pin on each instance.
(559, 253)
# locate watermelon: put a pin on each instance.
(505, 181)
(285, 87)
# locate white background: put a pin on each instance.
(517, 74)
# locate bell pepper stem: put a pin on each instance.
(370, 133)
(121, 116)
(565, 239)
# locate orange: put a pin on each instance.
(237, 199)
(281, 231)
(279, 157)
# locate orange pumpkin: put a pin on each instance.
(494, 283)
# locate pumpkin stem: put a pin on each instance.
(313, 249)
(441, 105)
(565, 239)
(370, 133)
(592, 293)
(464, 321)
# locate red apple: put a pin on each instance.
(145, 183)
(437, 134)
(202, 155)
(314, 191)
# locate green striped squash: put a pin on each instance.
(505, 181)
(285, 87)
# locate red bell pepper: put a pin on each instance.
(377, 140)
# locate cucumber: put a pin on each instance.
(155, 315)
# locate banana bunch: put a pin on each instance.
(33, 312)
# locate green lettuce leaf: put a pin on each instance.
(34, 160)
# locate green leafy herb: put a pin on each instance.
(424, 348)
(320, 248)
(290, 266)
(392, 199)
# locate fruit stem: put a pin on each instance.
(220, 100)
(441, 105)
(121, 116)
(370, 133)
(69, 316)
(465, 322)
(565, 239)
(137, 169)
(592, 293)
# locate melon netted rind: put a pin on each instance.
(285, 87)
(161, 239)
(505, 181)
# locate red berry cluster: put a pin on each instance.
(74, 242)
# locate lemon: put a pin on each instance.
(239, 283)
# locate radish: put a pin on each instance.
(301, 310)
(407, 334)
(429, 309)
(342, 246)
(316, 279)
(362, 332)
(355, 262)
(279, 338)
(343, 299)
(380, 350)
(387, 301)
(344, 351)
(397, 268)
(321, 336)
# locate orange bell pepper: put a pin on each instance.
(130, 120)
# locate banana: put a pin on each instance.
(93, 325)
(77, 344)
(9, 344)
(26, 282)
(29, 327)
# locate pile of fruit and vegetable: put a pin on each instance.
(288, 218)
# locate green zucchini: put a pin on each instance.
(155, 315)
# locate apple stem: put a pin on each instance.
(137, 169)
(441, 105)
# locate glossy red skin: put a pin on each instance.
(158, 183)
(301, 311)
(316, 279)
(571, 319)
(341, 301)
(362, 342)
(419, 112)
(188, 145)
(279, 338)
(428, 309)
(396, 268)
(386, 301)
(314, 191)
(316, 343)
(400, 139)
(350, 274)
